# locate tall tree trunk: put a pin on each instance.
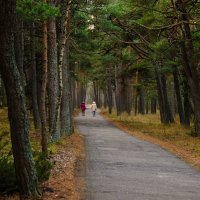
(123, 91)
(190, 67)
(160, 98)
(105, 101)
(109, 96)
(165, 112)
(168, 114)
(136, 103)
(147, 107)
(52, 77)
(172, 99)
(119, 90)
(141, 101)
(80, 93)
(153, 105)
(128, 95)
(73, 90)
(193, 83)
(136, 94)
(96, 93)
(19, 124)
(178, 96)
(186, 102)
(66, 106)
(187, 110)
(66, 101)
(34, 87)
(43, 89)
(63, 40)
(19, 44)
(95, 87)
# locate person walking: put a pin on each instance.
(94, 108)
(83, 108)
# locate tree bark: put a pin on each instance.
(186, 103)
(66, 105)
(66, 98)
(178, 96)
(105, 95)
(52, 77)
(63, 40)
(153, 105)
(43, 89)
(96, 93)
(110, 100)
(147, 107)
(136, 103)
(118, 90)
(165, 112)
(168, 113)
(172, 99)
(19, 44)
(109, 95)
(128, 95)
(141, 101)
(36, 114)
(17, 113)
(190, 67)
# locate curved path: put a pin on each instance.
(121, 167)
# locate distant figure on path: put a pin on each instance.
(83, 108)
(94, 108)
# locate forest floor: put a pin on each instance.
(67, 177)
(175, 138)
(66, 180)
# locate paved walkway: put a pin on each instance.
(121, 167)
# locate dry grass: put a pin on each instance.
(174, 137)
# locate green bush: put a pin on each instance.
(7, 171)
(43, 166)
(7, 174)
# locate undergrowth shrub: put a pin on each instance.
(193, 133)
(7, 174)
(7, 171)
(43, 166)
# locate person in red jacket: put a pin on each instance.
(83, 108)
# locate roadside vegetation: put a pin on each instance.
(58, 175)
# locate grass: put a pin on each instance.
(5, 144)
(174, 137)
(34, 134)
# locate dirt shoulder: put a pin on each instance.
(67, 177)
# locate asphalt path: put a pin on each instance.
(122, 167)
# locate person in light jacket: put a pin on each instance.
(93, 108)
